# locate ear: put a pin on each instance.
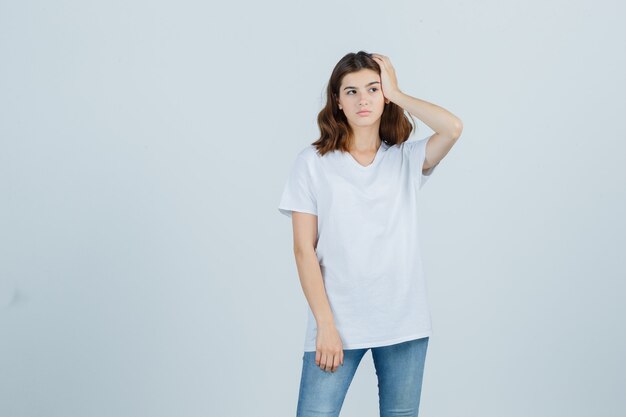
(337, 100)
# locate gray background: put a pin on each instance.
(146, 271)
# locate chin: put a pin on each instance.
(364, 123)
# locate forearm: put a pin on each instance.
(437, 118)
(312, 283)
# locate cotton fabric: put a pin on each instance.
(368, 241)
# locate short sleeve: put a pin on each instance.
(417, 154)
(298, 194)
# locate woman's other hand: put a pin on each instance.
(329, 348)
(388, 78)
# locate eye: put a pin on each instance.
(349, 91)
(374, 88)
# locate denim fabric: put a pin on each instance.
(399, 369)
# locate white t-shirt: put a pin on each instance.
(367, 247)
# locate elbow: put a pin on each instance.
(454, 129)
(457, 129)
(300, 250)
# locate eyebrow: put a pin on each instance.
(373, 82)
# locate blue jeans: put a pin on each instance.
(399, 369)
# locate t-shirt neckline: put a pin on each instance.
(374, 161)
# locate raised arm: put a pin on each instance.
(447, 126)
(329, 348)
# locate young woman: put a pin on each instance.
(352, 198)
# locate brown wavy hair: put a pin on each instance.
(336, 133)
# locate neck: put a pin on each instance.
(365, 139)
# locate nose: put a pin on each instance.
(363, 99)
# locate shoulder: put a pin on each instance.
(400, 148)
(408, 144)
(309, 154)
(413, 145)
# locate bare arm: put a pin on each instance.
(446, 125)
(329, 349)
(313, 285)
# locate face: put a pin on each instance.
(361, 91)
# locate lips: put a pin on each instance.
(364, 112)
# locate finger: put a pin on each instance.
(385, 60)
(336, 362)
(329, 363)
(318, 355)
(323, 361)
(342, 358)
